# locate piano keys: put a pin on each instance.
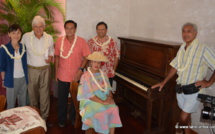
(143, 63)
(133, 82)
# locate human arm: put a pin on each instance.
(49, 60)
(108, 101)
(50, 51)
(209, 60)
(85, 52)
(206, 83)
(116, 61)
(79, 72)
(2, 65)
(171, 73)
(2, 76)
(117, 53)
(56, 66)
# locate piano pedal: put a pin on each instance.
(136, 113)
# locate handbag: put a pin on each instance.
(187, 89)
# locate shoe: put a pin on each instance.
(61, 124)
(49, 124)
(177, 126)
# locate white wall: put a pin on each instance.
(87, 13)
(162, 19)
(156, 19)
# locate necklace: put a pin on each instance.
(104, 43)
(71, 48)
(11, 56)
(188, 60)
(46, 44)
(105, 89)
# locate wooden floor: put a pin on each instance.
(131, 125)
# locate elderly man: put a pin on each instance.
(191, 64)
(70, 53)
(106, 45)
(40, 51)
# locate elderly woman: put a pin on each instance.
(97, 106)
(13, 68)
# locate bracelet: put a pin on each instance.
(82, 69)
(3, 80)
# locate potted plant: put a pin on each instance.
(22, 12)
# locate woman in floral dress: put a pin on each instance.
(97, 107)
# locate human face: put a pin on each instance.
(15, 36)
(70, 29)
(38, 29)
(101, 31)
(95, 65)
(188, 34)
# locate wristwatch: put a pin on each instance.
(82, 69)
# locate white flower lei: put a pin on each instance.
(11, 56)
(71, 48)
(188, 60)
(46, 44)
(104, 43)
(105, 89)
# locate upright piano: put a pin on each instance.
(143, 63)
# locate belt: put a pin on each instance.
(187, 89)
(42, 67)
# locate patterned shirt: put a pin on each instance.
(110, 50)
(67, 68)
(193, 63)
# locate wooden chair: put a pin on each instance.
(2, 102)
(74, 91)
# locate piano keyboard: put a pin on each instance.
(131, 81)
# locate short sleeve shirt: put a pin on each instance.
(193, 63)
(68, 67)
(38, 49)
(110, 50)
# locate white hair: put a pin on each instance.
(38, 19)
(190, 24)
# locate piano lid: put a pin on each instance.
(143, 58)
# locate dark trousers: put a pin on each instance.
(63, 92)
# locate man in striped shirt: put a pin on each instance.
(191, 64)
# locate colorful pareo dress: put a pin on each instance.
(96, 115)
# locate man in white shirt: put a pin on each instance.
(40, 50)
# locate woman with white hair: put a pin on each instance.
(97, 107)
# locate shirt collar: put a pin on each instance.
(193, 43)
(36, 37)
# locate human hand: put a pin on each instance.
(160, 85)
(109, 101)
(202, 84)
(3, 84)
(56, 79)
(78, 75)
(49, 60)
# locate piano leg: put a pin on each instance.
(149, 115)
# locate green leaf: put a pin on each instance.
(22, 12)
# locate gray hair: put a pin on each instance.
(190, 24)
(38, 19)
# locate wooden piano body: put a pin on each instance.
(143, 63)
